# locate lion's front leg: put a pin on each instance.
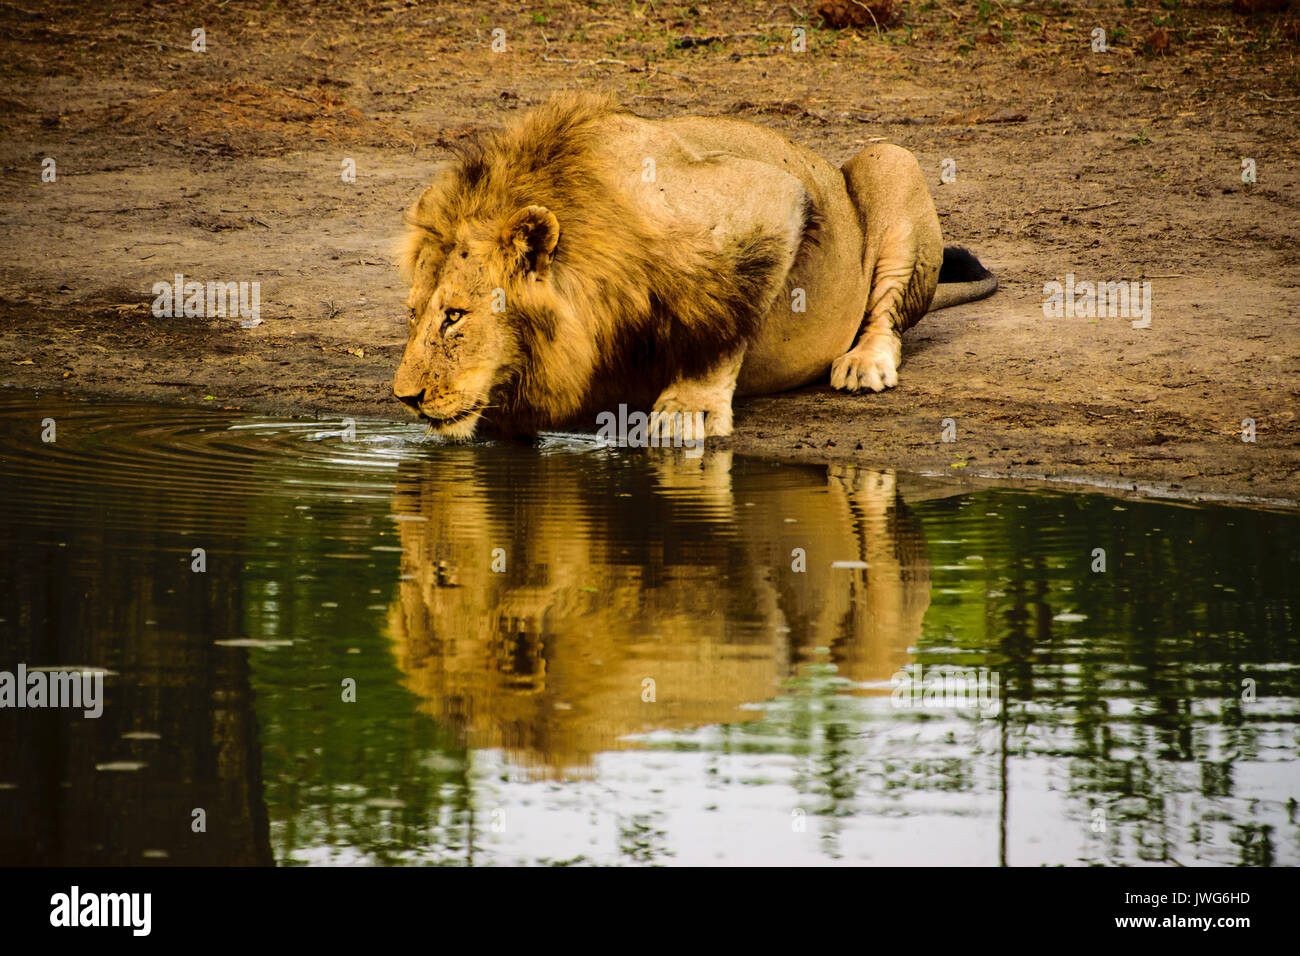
(675, 411)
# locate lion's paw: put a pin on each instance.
(679, 414)
(872, 364)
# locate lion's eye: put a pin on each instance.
(452, 317)
(410, 315)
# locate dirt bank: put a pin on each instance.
(1118, 166)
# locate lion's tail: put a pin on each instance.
(962, 278)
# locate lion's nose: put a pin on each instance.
(414, 399)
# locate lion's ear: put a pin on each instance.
(530, 236)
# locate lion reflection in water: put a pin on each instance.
(611, 576)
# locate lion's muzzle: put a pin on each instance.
(413, 399)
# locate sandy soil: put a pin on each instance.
(1117, 166)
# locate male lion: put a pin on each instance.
(584, 257)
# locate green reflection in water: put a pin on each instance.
(564, 656)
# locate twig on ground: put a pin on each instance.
(652, 71)
(874, 21)
(1100, 205)
(601, 62)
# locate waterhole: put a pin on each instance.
(334, 642)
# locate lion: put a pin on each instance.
(585, 257)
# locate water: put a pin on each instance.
(562, 654)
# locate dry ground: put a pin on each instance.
(1114, 166)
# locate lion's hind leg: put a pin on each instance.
(903, 251)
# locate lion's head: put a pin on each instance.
(463, 348)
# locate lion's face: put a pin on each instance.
(461, 345)
(459, 348)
